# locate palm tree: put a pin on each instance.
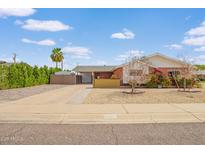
(57, 56)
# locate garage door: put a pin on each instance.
(86, 77)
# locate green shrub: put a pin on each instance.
(14, 76)
(156, 80)
(153, 81)
(166, 82)
(200, 67)
(192, 82)
(201, 79)
(23, 75)
(30, 80)
(4, 82)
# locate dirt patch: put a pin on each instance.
(15, 94)
(150, 96)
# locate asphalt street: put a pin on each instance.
(78, 134)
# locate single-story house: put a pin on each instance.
(166, 65)
(155, 63)
(89, 73)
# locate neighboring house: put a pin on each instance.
(2, 62)
(200, 74)
(156, 63)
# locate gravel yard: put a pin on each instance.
(18, 93)
(150, 96)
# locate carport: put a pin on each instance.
(89, 73)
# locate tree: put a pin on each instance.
(187, 72)
(4, 81)
(57, 56)
(14, 58)
(36, 74)
(30, 80)
(137, 72)
(13, 76)
(23, 75)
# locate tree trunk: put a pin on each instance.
(174, 77)
(133, 88)
(184, 84)
(56, 64)
(62, 65)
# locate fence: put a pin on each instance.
(106, 83)
(65, 79)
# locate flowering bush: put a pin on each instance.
(166, 82)
(153, 81)
(156, 80)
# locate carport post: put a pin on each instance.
(93, 75)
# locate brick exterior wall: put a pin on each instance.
(118, 72)
(165, 71)
(103, 75)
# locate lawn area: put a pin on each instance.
(150, 96)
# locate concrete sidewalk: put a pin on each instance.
(101, 113)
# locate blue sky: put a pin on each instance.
(101, 36)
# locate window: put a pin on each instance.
(173, 73)
(135, 72)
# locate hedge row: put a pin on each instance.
(23, 75)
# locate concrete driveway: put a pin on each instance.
(71, 94)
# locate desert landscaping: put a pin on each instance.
(150, 96)
(110, 95)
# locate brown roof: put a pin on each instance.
(94, 68)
